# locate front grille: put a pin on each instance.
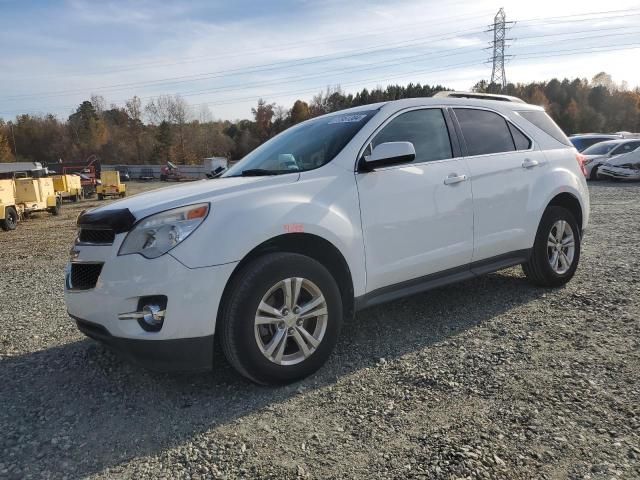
(94, 235)
(84, 276)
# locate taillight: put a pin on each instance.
(581, 159)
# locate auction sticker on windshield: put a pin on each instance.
(347, 118)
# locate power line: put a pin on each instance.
(414, 72)
(278, 48)
(369, 66)
(270, 66)
(255, 68)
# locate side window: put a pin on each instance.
(426, 129)
(520, 139)
(484, 132)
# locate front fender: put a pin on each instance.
(325, 205)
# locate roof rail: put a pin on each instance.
(480, 96)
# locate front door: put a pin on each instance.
(417, 218)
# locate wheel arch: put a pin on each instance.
(571, 203)
(307, 244)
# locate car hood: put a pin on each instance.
(148, 203)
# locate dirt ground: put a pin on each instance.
(491, 378)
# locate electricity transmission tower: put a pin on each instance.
(499, 27)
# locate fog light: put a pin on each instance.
(152, 315)
(153, 310)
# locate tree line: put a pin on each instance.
(168, 129)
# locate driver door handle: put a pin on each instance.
(453, 179)
(528, 163)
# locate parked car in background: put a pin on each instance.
(622, 167)
(372, 204)
(598, 154)
(585, 140)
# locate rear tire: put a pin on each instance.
(556, 251)
(10, 221)
(272, 340)
(100, 196)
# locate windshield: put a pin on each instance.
(600, 148)
(302, 147)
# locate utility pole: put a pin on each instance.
(499, 28)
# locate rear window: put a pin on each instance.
(543, 122)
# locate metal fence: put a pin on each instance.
(137, 171)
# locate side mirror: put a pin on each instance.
(389, 153)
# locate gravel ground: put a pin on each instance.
(491, 378)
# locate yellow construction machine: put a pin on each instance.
(69, 187)
(110, 185)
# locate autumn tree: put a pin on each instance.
(299, 112)
(88, 130)
(5, 148)
(133, 108)
(163, 137)
(263, 114)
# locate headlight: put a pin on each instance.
(156, 235)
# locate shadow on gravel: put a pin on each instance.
(78, 409)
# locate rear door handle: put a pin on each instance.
(528, 163)
(453, 178)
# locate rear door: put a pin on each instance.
(417, 218)
(504, 166)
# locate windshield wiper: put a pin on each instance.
(259, 172)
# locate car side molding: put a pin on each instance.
(440, 279)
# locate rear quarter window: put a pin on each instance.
(543, 121)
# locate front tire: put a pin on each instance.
(10, 221)
(281, 318)
(594, 173)
(556, 251)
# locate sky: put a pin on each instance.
(221, 56)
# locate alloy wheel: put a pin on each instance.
(291, 321)
(561, 247)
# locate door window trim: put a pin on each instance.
(456, 147)
(463, 142)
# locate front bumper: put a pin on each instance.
(182, 354)
(193, 295)
(619, 173)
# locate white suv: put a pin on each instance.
(334, 215)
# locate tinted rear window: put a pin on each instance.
(484, 132)
(543, 122)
